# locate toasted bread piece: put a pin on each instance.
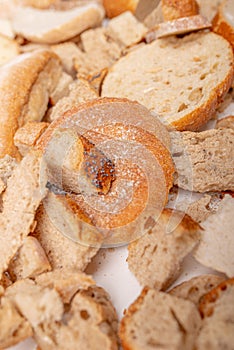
(156, 258)
(29, 261)
(9, 49)
(52, 26)
(204, 160)
(26, 136)
(158, 320)
(174, 9)
(66, 282)
(216, 307)
(21, 199)
(223, 23)
(201, 76)
(39, 71)
(227, 122)
(178, 26)
(196, 287)
(114, 8)
(14, 328)
(62, 89)
(125, 29)
(61, 251)
(217, 241)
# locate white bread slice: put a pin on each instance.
(201, 76)
(51, 26)
(9, 49)
(14, 328)
(223, 23)
(178, 26)
(40, 72)
(155, 258)
(26, 136)
(158, 320)
(217, 241)
(61, 251)
(196, 287)
(174, 9)
(29, 261)
(216, 307)
(204, 160)
(21, 199)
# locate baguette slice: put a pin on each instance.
(158, 320)
(223, 23)
(183, 94)
(51, 26)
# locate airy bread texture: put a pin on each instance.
(183, 94)
(158, 320)
(51, 26)
(216, 307)
(37, 74)
(223, 23)
(195, 288)
(174, 9)
(217, 240)
(204, 160)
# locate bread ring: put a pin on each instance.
(143, 171)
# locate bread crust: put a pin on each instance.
(24, 72)
(221, 25)
(174, 9)
(114, 8)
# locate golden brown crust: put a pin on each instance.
(23, 72)
(114, 8)
(206, 304)
(174, 9)
(221, 25)
(201, 115)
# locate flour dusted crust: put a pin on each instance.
(201, 76)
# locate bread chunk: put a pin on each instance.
(155, 258)
(183, 94)
(157, 320)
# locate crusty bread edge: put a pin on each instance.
(221, 26)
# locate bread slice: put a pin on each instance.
(158, 320)
(26, 136)
(9, 49)
(201, 76)
(29, 261)
(217, 241)
(216, 307)
(40, 72)
(227, 122)
(21, 200)
(155, 259)
(195, 288)
(223, 23)
(174, 9)
(61, 251)
(204, 160)
(62, 89)
(56, 26)
(14, 328)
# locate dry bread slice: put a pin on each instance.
(62, 89)
(29, 261)
(14, 327)
(223, 23)
(158, 320)
(217, 241)
(204, 160)
(9, 49)
(184, 94)
(216, 307)
(195, 288)
(51, 26)
(61, 251)
(21, 200)
(155, 258)
(39, 71)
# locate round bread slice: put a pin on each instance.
(223, 23)
(158, 320)
(181, 80)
